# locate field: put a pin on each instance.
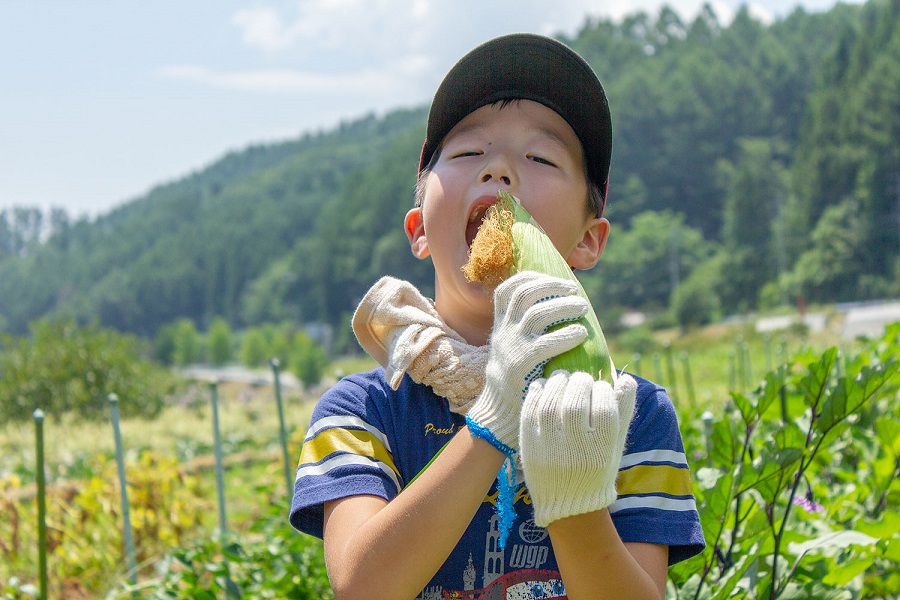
(182, 552)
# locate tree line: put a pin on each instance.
(753, 165)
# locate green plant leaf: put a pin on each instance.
(888, 431)
(746, 406)
(892, 550)
(769, 393)
(813, 591)
(887, 526)
(849, 396)
(814, 384)
(771, 472)
(834, 540)
(725, 444)
(845, 573)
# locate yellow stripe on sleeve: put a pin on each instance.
(654, 479)
(351, 441)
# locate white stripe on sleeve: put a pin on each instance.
(670, 456)
(340, 460)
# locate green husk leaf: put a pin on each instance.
(507, 222)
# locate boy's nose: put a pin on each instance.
(497, 169)
(488, 177)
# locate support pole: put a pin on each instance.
(217, 445)
(42, 501)
(123, 486)
(288, 479)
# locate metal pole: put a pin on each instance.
(657, 363)
(685, 359)
(732, 371)
(670, 365)
(782, 369)
(123, 486)
(217, 445)
(740, 364)
(707, 433)
(282, 430)
(42, 501)
(748, 368)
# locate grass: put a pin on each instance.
(248, 417)
(712, 355)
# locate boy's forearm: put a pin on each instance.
(595, 564)
(395, 550)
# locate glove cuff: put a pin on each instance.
(547, 511)
(487, 435)
(487, 420)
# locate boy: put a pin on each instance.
(525, 114)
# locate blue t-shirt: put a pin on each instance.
(366, 438)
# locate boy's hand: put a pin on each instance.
(573, 432)
(525, 305)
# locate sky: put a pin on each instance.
(100, 101)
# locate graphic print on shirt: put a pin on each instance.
(513, 573)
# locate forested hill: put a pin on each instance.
(752, 164)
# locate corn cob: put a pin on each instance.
(510, 241)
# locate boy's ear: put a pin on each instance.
(587, 252)
(414, 226)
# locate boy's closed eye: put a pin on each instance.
(542, 160)
(466, 153)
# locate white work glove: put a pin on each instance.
(573, 432)
(525, 305)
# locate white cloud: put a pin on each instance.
(264, 28)
(365, 82)
(375, 26)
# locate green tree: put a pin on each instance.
(848, 148)
(187, 343)
(164, 344)
(308, 360)
(696, 300)
(829, 268)
(65, 369)
(642, 265)
(756, 190)
(254, 348)
(219, 342)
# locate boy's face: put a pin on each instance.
(524, 148)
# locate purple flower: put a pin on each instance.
(808, 504)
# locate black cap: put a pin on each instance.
(530, 67)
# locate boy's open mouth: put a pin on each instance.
(476, 217)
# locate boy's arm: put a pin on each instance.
(594, 562)
(378, 549)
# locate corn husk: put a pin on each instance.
(510, 241)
